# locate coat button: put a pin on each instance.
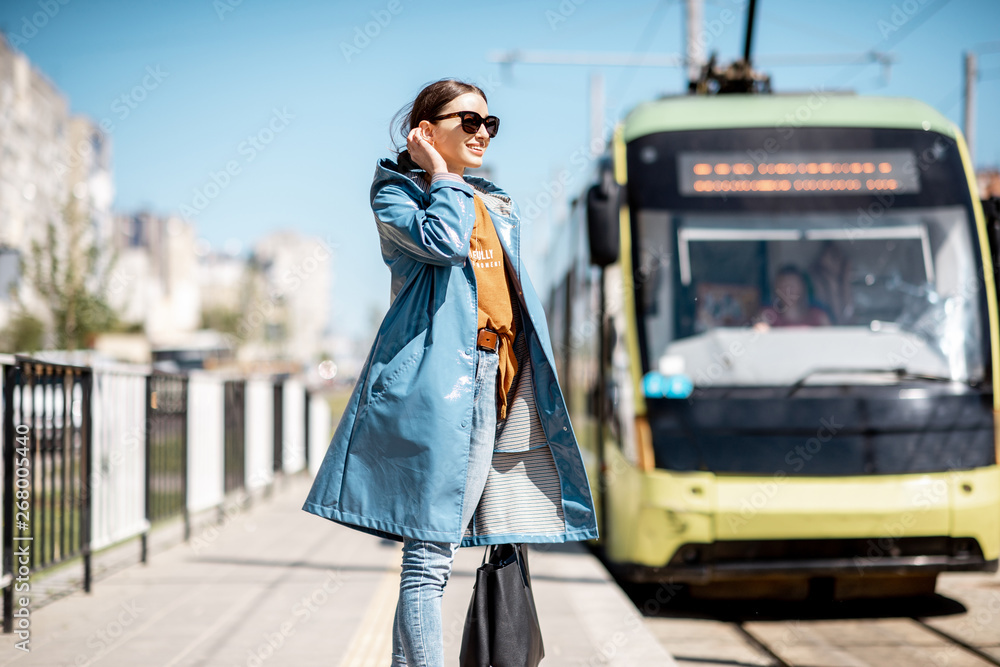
(468, 350)
(464, 423)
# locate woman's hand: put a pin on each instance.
(424, 153)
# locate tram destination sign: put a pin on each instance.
(798, 173)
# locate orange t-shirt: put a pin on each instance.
(494, 294)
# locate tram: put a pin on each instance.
(775, 322)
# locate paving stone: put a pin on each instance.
(278, 586)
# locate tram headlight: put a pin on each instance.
(657, 385)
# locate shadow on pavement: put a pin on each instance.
(678, 603)
(572, 549)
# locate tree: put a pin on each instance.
(23, 333)
(67, 274)
(221, 319)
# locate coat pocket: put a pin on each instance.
(402, 362)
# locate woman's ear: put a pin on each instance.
(428, 128)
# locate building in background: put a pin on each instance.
(91, 182)
(35, 135)
(170, 292)
(156, 278)
(55, 169)
(290, 309)
(221, 277)
(34, 180)
(989, 182)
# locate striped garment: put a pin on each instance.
(522, 493)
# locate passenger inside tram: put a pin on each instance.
(830, 277)
(792, 306)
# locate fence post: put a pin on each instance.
(306, 436)
(86, 382)
(278, 462)
(11, 374)
(184, 457)
(146, 476)
(235, 445)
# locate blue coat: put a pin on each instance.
(396, 466)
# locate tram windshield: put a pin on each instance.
(765, 299)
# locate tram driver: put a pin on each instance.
(792, 306)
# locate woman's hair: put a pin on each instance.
(793, 270)
(790, 270)
(428, 103)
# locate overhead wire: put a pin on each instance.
(642, 46)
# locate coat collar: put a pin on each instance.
(499, 201)
(502, 209)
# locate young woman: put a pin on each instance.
(456, 433)
(792, 306)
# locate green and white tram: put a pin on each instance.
(777, 332)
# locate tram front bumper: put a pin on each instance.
(703, 527)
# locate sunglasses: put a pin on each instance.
(471, 122)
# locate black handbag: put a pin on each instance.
(501, 628)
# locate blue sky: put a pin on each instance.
(213, 74)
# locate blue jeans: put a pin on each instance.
(417, 637)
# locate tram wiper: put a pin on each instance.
(901, 373)
(904, 374)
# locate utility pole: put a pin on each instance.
(748, 38)
(596, 108)
(969, 123)
(694, 45)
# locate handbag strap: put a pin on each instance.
(519, 557)
(522, 565)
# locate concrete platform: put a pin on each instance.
(277, 586)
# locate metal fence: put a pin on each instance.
(95, 456)
(234, 458)
(277, 455)
(166, 449)
(46, 466)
